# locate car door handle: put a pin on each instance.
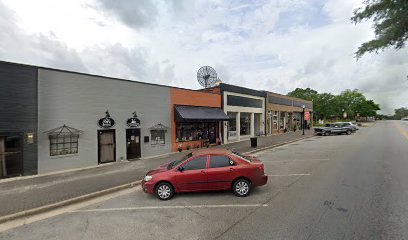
(231, 169)
(202, 171)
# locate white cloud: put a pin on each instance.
(274, 45)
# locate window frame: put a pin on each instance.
(159, 143)
(55, 144)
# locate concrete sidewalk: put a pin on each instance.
(21, 194)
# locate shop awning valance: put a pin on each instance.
(159, 127)
(63, 131)
(199, 114)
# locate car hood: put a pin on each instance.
(159, 169)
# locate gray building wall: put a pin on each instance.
(18, 107)
(80, 100)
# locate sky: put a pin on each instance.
(275, 45)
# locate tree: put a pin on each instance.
(306, 94)
(401, 113)
(390, 24)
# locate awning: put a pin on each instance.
(63, 130)
(159, 127)
(198, 114)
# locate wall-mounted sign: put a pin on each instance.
(134, 121)
(107, 121)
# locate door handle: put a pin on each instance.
(231, 169)
(202, 171)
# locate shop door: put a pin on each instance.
(212, 133)
(11, 155)
(106, 146)
(133, 143)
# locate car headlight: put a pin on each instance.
(147, 178)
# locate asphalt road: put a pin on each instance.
(335, 187)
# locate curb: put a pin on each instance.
(63, 203)
(277, 145)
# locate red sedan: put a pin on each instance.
(206, 170)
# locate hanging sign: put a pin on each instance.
(307, 116)
(134, 121)
(107, 121)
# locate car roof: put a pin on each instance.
(211, 151)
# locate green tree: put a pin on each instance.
(306, 94)
(390, 24)
(400, 113)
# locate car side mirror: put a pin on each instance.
(180, 169)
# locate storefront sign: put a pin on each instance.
(307, 115)
(107, 121)
(134, 121)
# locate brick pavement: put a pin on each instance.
(27, 193)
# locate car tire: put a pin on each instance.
(327, 134)
(348, 132)
(241, 187)
(164, 191)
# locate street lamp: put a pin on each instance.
(303, 122)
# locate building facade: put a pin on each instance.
(285, 113)
(54, 120)
(246, 110)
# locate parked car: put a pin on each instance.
(206, 170)
(352, 125)
(333, 128)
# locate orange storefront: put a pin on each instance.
(196, 119)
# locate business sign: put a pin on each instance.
(307, 116)
(107, 121)
(133, 122)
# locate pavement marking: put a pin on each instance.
(297, 160)
(66, 209)
(287, 175)
(169, 207)
(402, 130)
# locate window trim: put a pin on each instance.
(160, 143)
(57, 143)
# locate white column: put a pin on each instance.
(252, 125)
(225, 127)
(238, 125)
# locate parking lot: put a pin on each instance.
(309, 193)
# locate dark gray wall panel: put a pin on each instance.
(18, 106)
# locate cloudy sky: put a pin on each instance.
(274, 45)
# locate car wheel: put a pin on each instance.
(164, 191)
(327, 134)
(348, 132)
(241, 188)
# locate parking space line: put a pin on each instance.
(170, 207)
(297, 160)
(288, 175)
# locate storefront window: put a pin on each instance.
(289, 121)
(195, 131)
(282, 120)
(232, 127)
(275, 120)
(158, 137)
(63, 144)
(245, 124)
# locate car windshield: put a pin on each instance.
(246, 158)
(177, 162)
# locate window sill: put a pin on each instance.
(64, 156)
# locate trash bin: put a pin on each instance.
(254, 142)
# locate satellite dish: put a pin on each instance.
(207, 76)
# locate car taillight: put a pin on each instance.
(261, 167)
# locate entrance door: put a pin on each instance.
(106, 146)
(133, 143)
(11, 155)
(212, 133)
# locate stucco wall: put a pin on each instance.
(79, 101)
